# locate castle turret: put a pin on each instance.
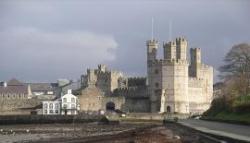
(102, 67)
(170, 50)
(181, 49)
(195, 54)
(91, 77)
(152, 46)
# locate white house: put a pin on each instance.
(66, 105)
(69, 104)
(52, 107)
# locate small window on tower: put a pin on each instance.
(157, 84)
(156, 71)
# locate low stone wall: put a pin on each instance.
(14, 106)
(155, 116)
(42, 119)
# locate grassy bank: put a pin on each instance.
(236, 110)
(230, 117)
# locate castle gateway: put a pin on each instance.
(176, 84)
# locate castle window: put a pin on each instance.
(156, 84)
(156, 71)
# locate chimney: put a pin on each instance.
(69, 91)
(5, 84)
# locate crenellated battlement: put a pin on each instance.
(131, 91)
(170, 62)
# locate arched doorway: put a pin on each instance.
(168, 109)
(110, 106)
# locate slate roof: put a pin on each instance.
(14, 87)
(14, 82)
(42, 86)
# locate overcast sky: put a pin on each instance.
(44, 40)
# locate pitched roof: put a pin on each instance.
(42, 86)
(14, 82)
(14, 90)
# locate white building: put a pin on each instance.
(66, 105)
(52, 107)
(69, 104)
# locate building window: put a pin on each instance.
(56, 106)
(45, 105)
(156, 71)
(51, 111)
(72, 100)
(73, 106)
(51, 105)
(64, 99)
(56, 111)
(45, 112)
(64, 106)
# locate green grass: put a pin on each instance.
(243, 117)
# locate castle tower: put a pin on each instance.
(181, 48)
(169, 50)
(102, 67)
(153, 78)
(152, 46)
(195, 55)
(91, 77)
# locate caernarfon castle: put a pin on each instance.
(173, 84)
(177, 83)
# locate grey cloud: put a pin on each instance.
(214, 26)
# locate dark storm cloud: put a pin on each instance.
(46, 40)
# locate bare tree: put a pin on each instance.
(237, 68)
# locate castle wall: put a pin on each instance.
(138, 105)
(155, 85)
(175, 86)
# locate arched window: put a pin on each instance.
(168, 109)
(45, 105)
(56, 106)
(51, 105)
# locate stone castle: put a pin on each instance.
(176, 84)
(173, 84)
